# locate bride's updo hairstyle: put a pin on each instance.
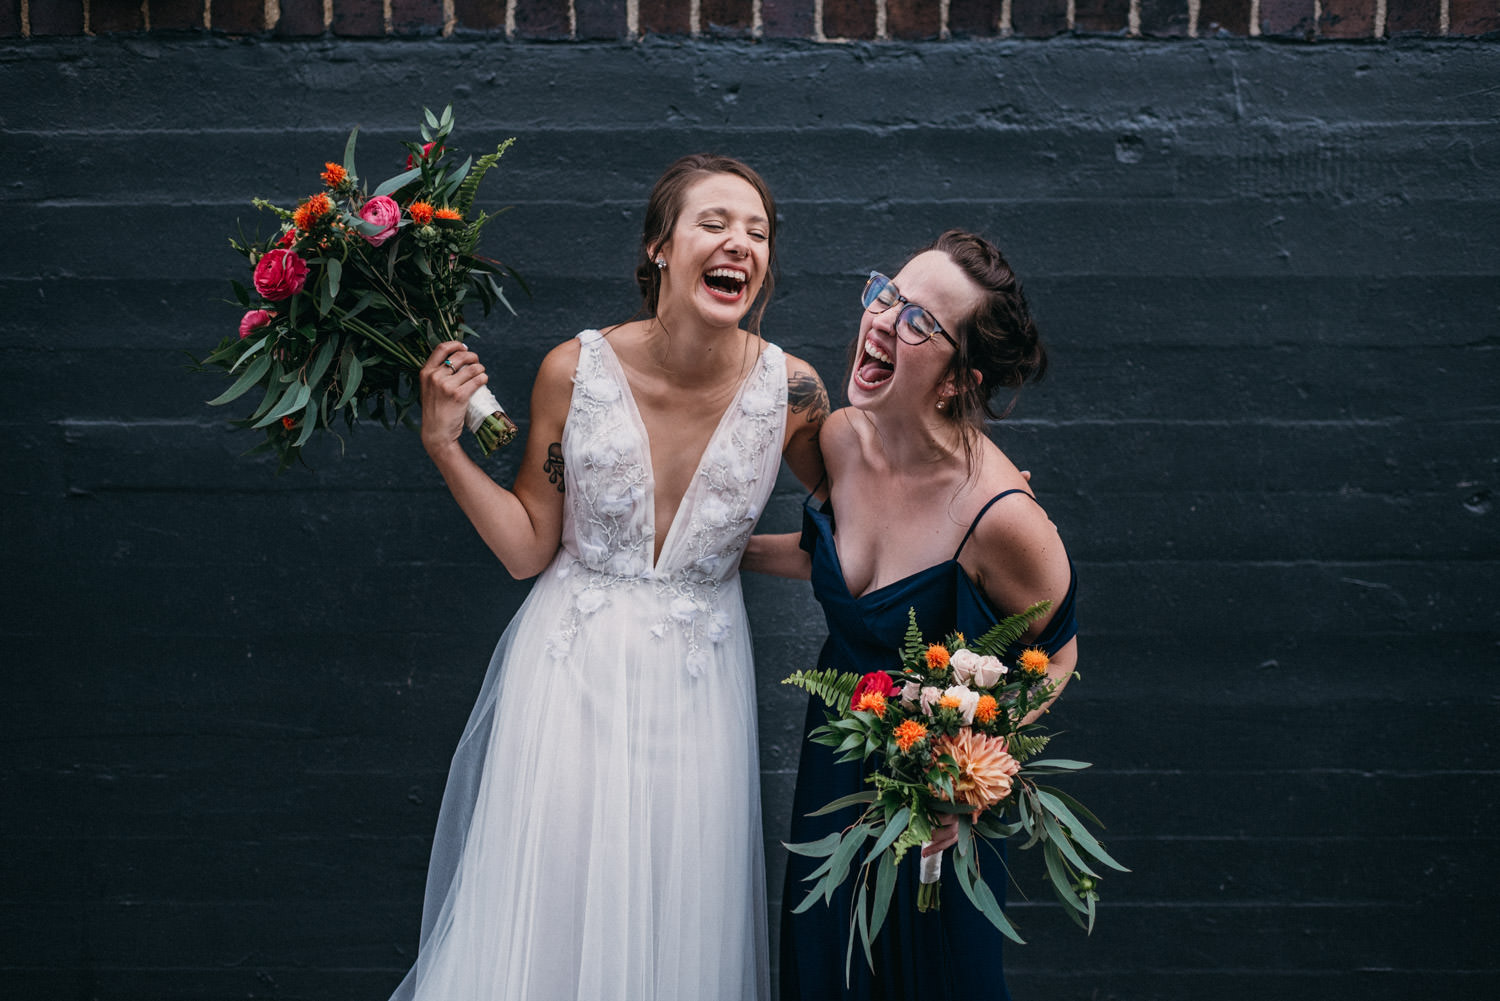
(998, 340)
(665, 206)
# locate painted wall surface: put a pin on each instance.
(1268, 277)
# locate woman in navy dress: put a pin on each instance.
(931, 516)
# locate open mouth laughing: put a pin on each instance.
(726, 283)
(873, 366)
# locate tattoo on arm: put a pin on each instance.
(805, 394)
(553, 466)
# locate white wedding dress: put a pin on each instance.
(600, 835)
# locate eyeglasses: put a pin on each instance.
(914, 325)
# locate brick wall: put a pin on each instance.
(828, 20)
(1268, 275)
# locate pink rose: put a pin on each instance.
(280, 274)
(426, 153)
(254, 320)
(383, 212)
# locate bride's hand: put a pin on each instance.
(450, 376)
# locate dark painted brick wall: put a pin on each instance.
(1268, 274)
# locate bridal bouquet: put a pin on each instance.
(354, 291)
(948, 737)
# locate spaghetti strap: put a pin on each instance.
(988, 504)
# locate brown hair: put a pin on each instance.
(998, 340)
(665, 205)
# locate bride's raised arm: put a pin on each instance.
(522, 526)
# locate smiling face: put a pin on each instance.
(718, 252)
(891, 374)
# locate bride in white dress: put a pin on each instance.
(600, 835)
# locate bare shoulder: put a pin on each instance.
(805, 394)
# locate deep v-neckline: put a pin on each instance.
(640, 425)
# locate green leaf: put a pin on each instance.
(309, 422)
(886, 871)
(821, 848)
(293, 400)
(1062, 879)
(241, 293)
(247, 378)
(863, 796)
(349, 154)
(863, 914)
(352, 374)
(1080, 834)
(1065, 844)
(320, 360)
(1059, 764)
(432, 120)
(250, 351)
(983, 898)
(335, 275)
(893, 830)
(397, 182)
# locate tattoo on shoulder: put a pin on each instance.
(553, 466)
(805, 394)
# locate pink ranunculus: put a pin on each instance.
(383, 212)
(254, 320)
(280, 274)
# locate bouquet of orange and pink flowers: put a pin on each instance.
(356, 288)
(951, 734)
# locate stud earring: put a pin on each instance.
(661, 264)
(942, 404)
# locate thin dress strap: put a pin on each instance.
(988, 504)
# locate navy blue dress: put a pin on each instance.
(942, 955)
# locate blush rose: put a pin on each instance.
(280, 274)
(383, 212)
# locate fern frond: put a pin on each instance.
(1006, 633)
(1027, 745)
(470, 187)
(835, 688)
(915, 648)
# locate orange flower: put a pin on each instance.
(310, 211)
(288, 423)
(872, 702)
(985, 711)
(1035, 661)
(949, 702)
(334, 175)
(452, 215)
(937, 656)
(985, 767)
(421, 213)
(908, 733)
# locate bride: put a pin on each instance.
(600, 835)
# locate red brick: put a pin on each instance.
(238, 17)
(1102, 16)
(542, 19)
(727, 17)
(975, 18)
(479, 15)
(1224, 17)
(1347, 19)
(358, 18)
(1473, 17)
(1164, 18)
(1038, 18)
(1286, 18)
(1412, 17)
(787, 18)
(114, 15)
(300, 19)
(415, 17)
(664, 17)
(913, 19)
(168, 15)
(65, 17)
(599, 18)
(849, 18)
(10, 18)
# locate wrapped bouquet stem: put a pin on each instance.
(354, 290)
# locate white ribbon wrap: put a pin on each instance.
(932, 865)
(481, 405)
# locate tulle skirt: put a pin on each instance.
(600, 835)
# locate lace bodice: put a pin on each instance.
(609, 530)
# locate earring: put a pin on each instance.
(942, 404)
(661, 264)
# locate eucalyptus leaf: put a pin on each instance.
(252, 349)
(821, 848)
(1065, 845)
(353, 373)
(247, 378)
(863, 796)
(1080, 834)
(293, 400)
(893, 830)
(309, 422)
(983, 898)
(349, 154)
(397, 182)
